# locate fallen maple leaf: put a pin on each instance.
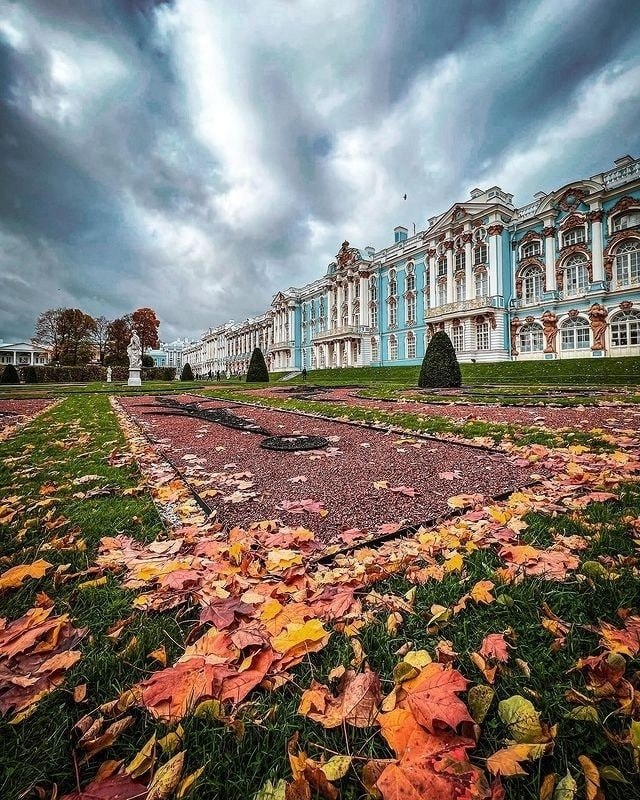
(432, 697)
(116, 787)
(494, 646)
(507, 761)
(356, 703)
(14, 578)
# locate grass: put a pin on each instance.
(75, 438)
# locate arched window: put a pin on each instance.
(457, 337)
(356, 313)
(573, 236)
(393, 348)
(480, 254)
(374, 349)
(628, 263)
(460, 290)
(532, 284)
(411, 345)
(344, 319)
(411, 307)
(482, 283)
(530, 249)
(393, 283)
(460, 260)
(531, 338)
(625, 329)
(628, 219)
(373, 288)
(575, 334)
(442, 267)
(393, 312)
(482, 335)
(373, 314)
(442, 293)
(411, 279)
(427, 289)
(576, 275)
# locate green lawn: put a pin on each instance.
(75, 439)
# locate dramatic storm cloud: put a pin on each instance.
(198, 155)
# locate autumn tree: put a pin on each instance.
(257, 372)
(146, 322)
(69, 332)
(47, 330)
(440, 368)
(118, 335)
(101, 336)
(77, 330)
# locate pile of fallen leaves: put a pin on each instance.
(266, 601)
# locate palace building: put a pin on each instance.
(557, 278)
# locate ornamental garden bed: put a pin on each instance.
(364, 480)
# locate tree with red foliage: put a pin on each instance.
(145, 321)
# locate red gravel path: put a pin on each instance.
(340, 477)
(584, 419)
(13, 412)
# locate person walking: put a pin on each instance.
(304, 373)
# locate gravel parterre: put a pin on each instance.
(366, 479)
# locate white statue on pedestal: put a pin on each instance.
(134, 351)
(108, 374)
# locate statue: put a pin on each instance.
(598, 319)
(134, 351)
(108, 374)
(550, 329)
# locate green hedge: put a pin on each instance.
(91, 373)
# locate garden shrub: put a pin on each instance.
(187, 373)
(440, 368)
(257, 372)
(9, 374)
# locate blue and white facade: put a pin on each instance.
(557, 278)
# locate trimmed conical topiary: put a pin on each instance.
(10, 375)
(30, 375)
(257, 372)
(440, 368)
(187, 373)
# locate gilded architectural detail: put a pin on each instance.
(514, 326)
(347, 257)
(624, 203)
(495, 230)
(595, 216)
(548, 231)
(448, 245)
(467, 237)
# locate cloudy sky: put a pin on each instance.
(198, 155)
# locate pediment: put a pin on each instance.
(458, 214)
(568, 197)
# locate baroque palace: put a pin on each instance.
(557, 278)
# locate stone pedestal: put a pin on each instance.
(134, 377)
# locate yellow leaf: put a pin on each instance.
(522, 718)
(454, 564)
(566, 789)
(143, 761)
(160, 655)
(171, 742)
(166, 778)
(480, 698)
(209, 709)
(297, 634)
(14, 578)
(336, 767)
(418, 658)
(547, 787)
(269, 791)
(91, 584)
(507, 761)
(187, 784)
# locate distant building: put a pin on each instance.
(557, 278)
(24, 354)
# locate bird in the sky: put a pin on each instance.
(405, 197)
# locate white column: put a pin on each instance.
(350, 302)
(468, 270)
(32, 358)
(450, 286)
(434, 279)
(550, 258)
(493, 261)
(596, 246)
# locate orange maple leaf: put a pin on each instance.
(432, 698)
